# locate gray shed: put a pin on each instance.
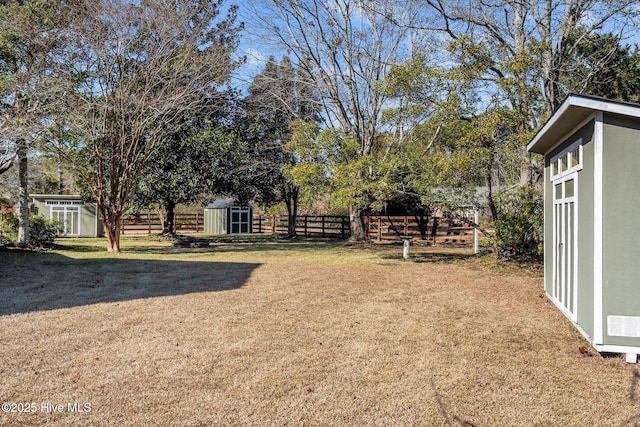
(80, 219)
(225, 217)
(591, 149)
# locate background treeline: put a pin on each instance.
(364, 107)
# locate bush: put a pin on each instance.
(41, 230)
(8, 228)
(520, 224)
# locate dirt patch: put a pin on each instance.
(293, 334)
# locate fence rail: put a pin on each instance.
(306, 225)
(434, 230)
(148, 223)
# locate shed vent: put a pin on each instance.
(64, 203)
(623, 326)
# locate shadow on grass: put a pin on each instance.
(432, 256)
(32, 282)
(159, 245)
(279, 245)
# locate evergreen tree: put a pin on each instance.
(277, 97)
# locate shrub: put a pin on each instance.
(8, 228)
(41, 230)
(520, 224)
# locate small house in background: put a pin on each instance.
(591, 149)
(225, 217)
(80, 219)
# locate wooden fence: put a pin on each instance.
(435, 230)
(306, 225)
(451, 230)
(148, 223)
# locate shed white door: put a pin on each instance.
(565, 227)
(69, 216)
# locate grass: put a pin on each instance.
(294, 332)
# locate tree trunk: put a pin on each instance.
(358, 233)
(422, 221)
(60, 176)
(111, 221)
(291, 193)
(113, 238)
(519, 102)
(490, 201)
(526, 169)
(23, 194)
(168, 224)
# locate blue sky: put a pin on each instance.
(254, 45)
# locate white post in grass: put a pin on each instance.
(406, 243)
(476, 218)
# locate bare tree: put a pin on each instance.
(7, 155)
(28, 45)
(347, 49)
(529, 43)
(136, 69)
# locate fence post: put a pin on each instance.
(306, 225)
(434, 230)
(149, 222)
(342, 227)
(379, 228)
(406, 226)
(322, 225)
(476, 220)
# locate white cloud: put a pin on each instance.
(254, 57)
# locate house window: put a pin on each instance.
(568, 161)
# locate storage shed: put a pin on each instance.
(80, 219)
(225, 217)
(591, 149)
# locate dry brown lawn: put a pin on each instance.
(293, 333)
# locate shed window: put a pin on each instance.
(575, 157)
(558, 191)
(568, 188)
(64, 202)
(568, 161)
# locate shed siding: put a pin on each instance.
(41, 208)
(586, 239)
(88, 223)
(621, 200)
(548, 227)
(215, 221)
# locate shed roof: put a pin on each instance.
(573, 111)
(221, 204)
(56, 196)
